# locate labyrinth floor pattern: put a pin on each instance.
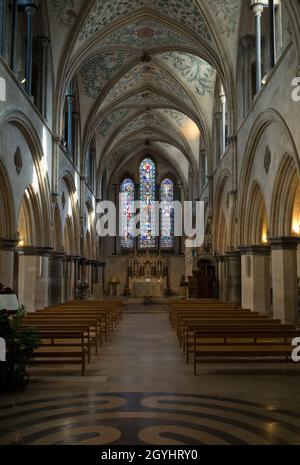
(139, 390)
(146, 418)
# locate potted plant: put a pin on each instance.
(20, 344)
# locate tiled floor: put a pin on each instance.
(139, 391)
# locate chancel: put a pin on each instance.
(134, 333)
(148, 275)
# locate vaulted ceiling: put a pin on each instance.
(146, 70)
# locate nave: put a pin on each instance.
(139, 390)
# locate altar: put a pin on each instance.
(147, 275)
(147, 288)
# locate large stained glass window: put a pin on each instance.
(147, 239)
(167, 214)
(127, 213)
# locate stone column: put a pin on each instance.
(258, 8)
(33, 277)
(7, 254)
(89, 269)
(69, 278)
(222, 278)
(30, 9)
(14, 30)
(247, 43)
(2, 27)
(284, 278)
(256, 278)
(56, 141)
(218, 118)
(223, 122)
(234, 276)
(56, 278)
(42, 94)
(272, 31)
(70, 101)
(203, 168)
(76, 151)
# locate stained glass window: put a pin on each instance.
(167, 214)
(127, 213)
(147, 197)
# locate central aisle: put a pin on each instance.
(140, 391)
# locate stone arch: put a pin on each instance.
(57, 235)
(21, 121)
(7, 214)
(69, 237)
(30, 224)
(73, 218)
(263, 121)
(285, 189)
(222, 237)
(219, 213)
(256, 221)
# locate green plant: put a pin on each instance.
(20, 344)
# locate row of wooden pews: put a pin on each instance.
(70, 332)
(210, 330)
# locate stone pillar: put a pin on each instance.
(2, 27)
(247, 43)
(56, 141)
(42, 91)
(14, 30)
(284, 278)
(234, 276)
(222, 278)
(272, 31)
(30, 9)
(7, 254)
(203, 168)
(218, 118)
(223, 122)
(70, 101)
(69, 278)
(258, 8)
(89, 270)
(33, 277)
(256, 278)
(56, 278)
(76, 151)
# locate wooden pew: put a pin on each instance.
(216, 306)
(274, 327)
(242, 345)
(217, 317)
(89, 337)
(66, 321)
(61, 347)
(104, 317)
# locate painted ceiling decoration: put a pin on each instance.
(147, 73)
(147, 97)
(148, 119)
(195, 71)
(104, 12)
(112, 120)
(139, 74)
(227, 13)
(100, 69)
(179, 118)
(66, 11)
(144, 33)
